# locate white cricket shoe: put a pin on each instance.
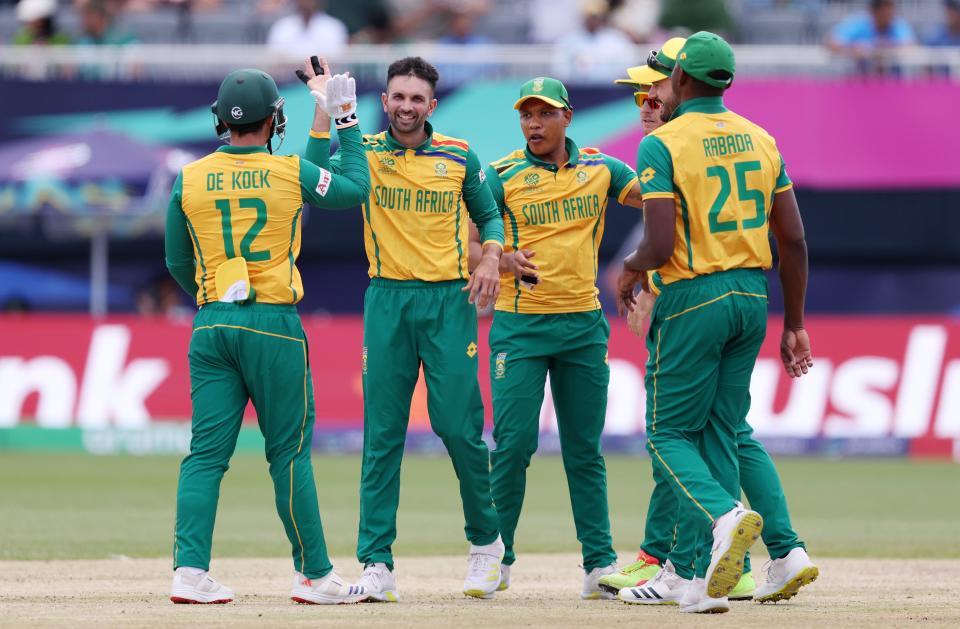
(733, 534)
(786, 576)
(327, 590)
(591, 583)
(504, 577)
(379, 584)
(696, 600)
(190, 586)
(483, 569)
(665, 588)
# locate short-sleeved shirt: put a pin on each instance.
(417, 217)
(860, 29)
(722, 171)
(558, 213)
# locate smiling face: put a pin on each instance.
(408, 102)
(544, 126)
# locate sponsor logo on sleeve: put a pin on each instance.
(324, 184)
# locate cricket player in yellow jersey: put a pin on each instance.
(553, 197)
(426, 187)
(232, 240)
(714, 185)
(664, 566)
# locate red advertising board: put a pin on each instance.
(873, 377)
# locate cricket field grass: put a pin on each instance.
(86, 540)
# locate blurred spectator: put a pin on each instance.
(872, 38)
(461, 28)
(948, 33)
(551, 20)
(637, 18)
(380, 29)
(309, 31)
(357, 15)
(461, 31)
(97, 18)
(38, 24)
(597, 51)
(696, 15)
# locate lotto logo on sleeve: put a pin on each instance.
(647, 174)
(324, 184)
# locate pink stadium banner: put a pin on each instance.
(874, 378)
(870, 133)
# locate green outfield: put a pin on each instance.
(64, 506)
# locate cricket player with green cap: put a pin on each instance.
(553, 197)
(232, 240)
(664, 546)
(709, 248)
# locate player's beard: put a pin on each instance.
(666, 111)
(406, 126)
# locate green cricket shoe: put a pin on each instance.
(744, 589)
(643, 569)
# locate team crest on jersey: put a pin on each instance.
(538, 85)
(363, 361)
(500, 366)
(582, 177)
(647, 174)
(387, 165)
(441, 169)
(237, 113)
(532, 180)
(472, 349)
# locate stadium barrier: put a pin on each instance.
(886, 386)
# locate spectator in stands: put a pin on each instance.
(357, 15)
(696, 15)
(597, 51)
(461, 31)
(552, 20)
(872, 38)
(380, 29)
(38, 24)
(97, 19)
(462, 25)
(637, 18)
(948, 33)
(309, 31)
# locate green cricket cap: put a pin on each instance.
(247, 96)
(709, 58)
(550, 91)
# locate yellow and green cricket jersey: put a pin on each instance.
(559, 214)
(723, 172)
(416, 219)
(243, 201)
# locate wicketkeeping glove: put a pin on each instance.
(340, 100)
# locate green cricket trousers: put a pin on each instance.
(406, 323)
(572, 348)
(238, 353)
(704, 338)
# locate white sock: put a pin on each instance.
(193, 572)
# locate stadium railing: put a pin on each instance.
(369, 62)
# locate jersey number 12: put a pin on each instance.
(245, 204)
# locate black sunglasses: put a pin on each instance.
(656, 64)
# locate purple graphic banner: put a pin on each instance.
(850, 134)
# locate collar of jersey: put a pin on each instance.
(393, 145)
(705, 105)
(240, 150)
(572, 150)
